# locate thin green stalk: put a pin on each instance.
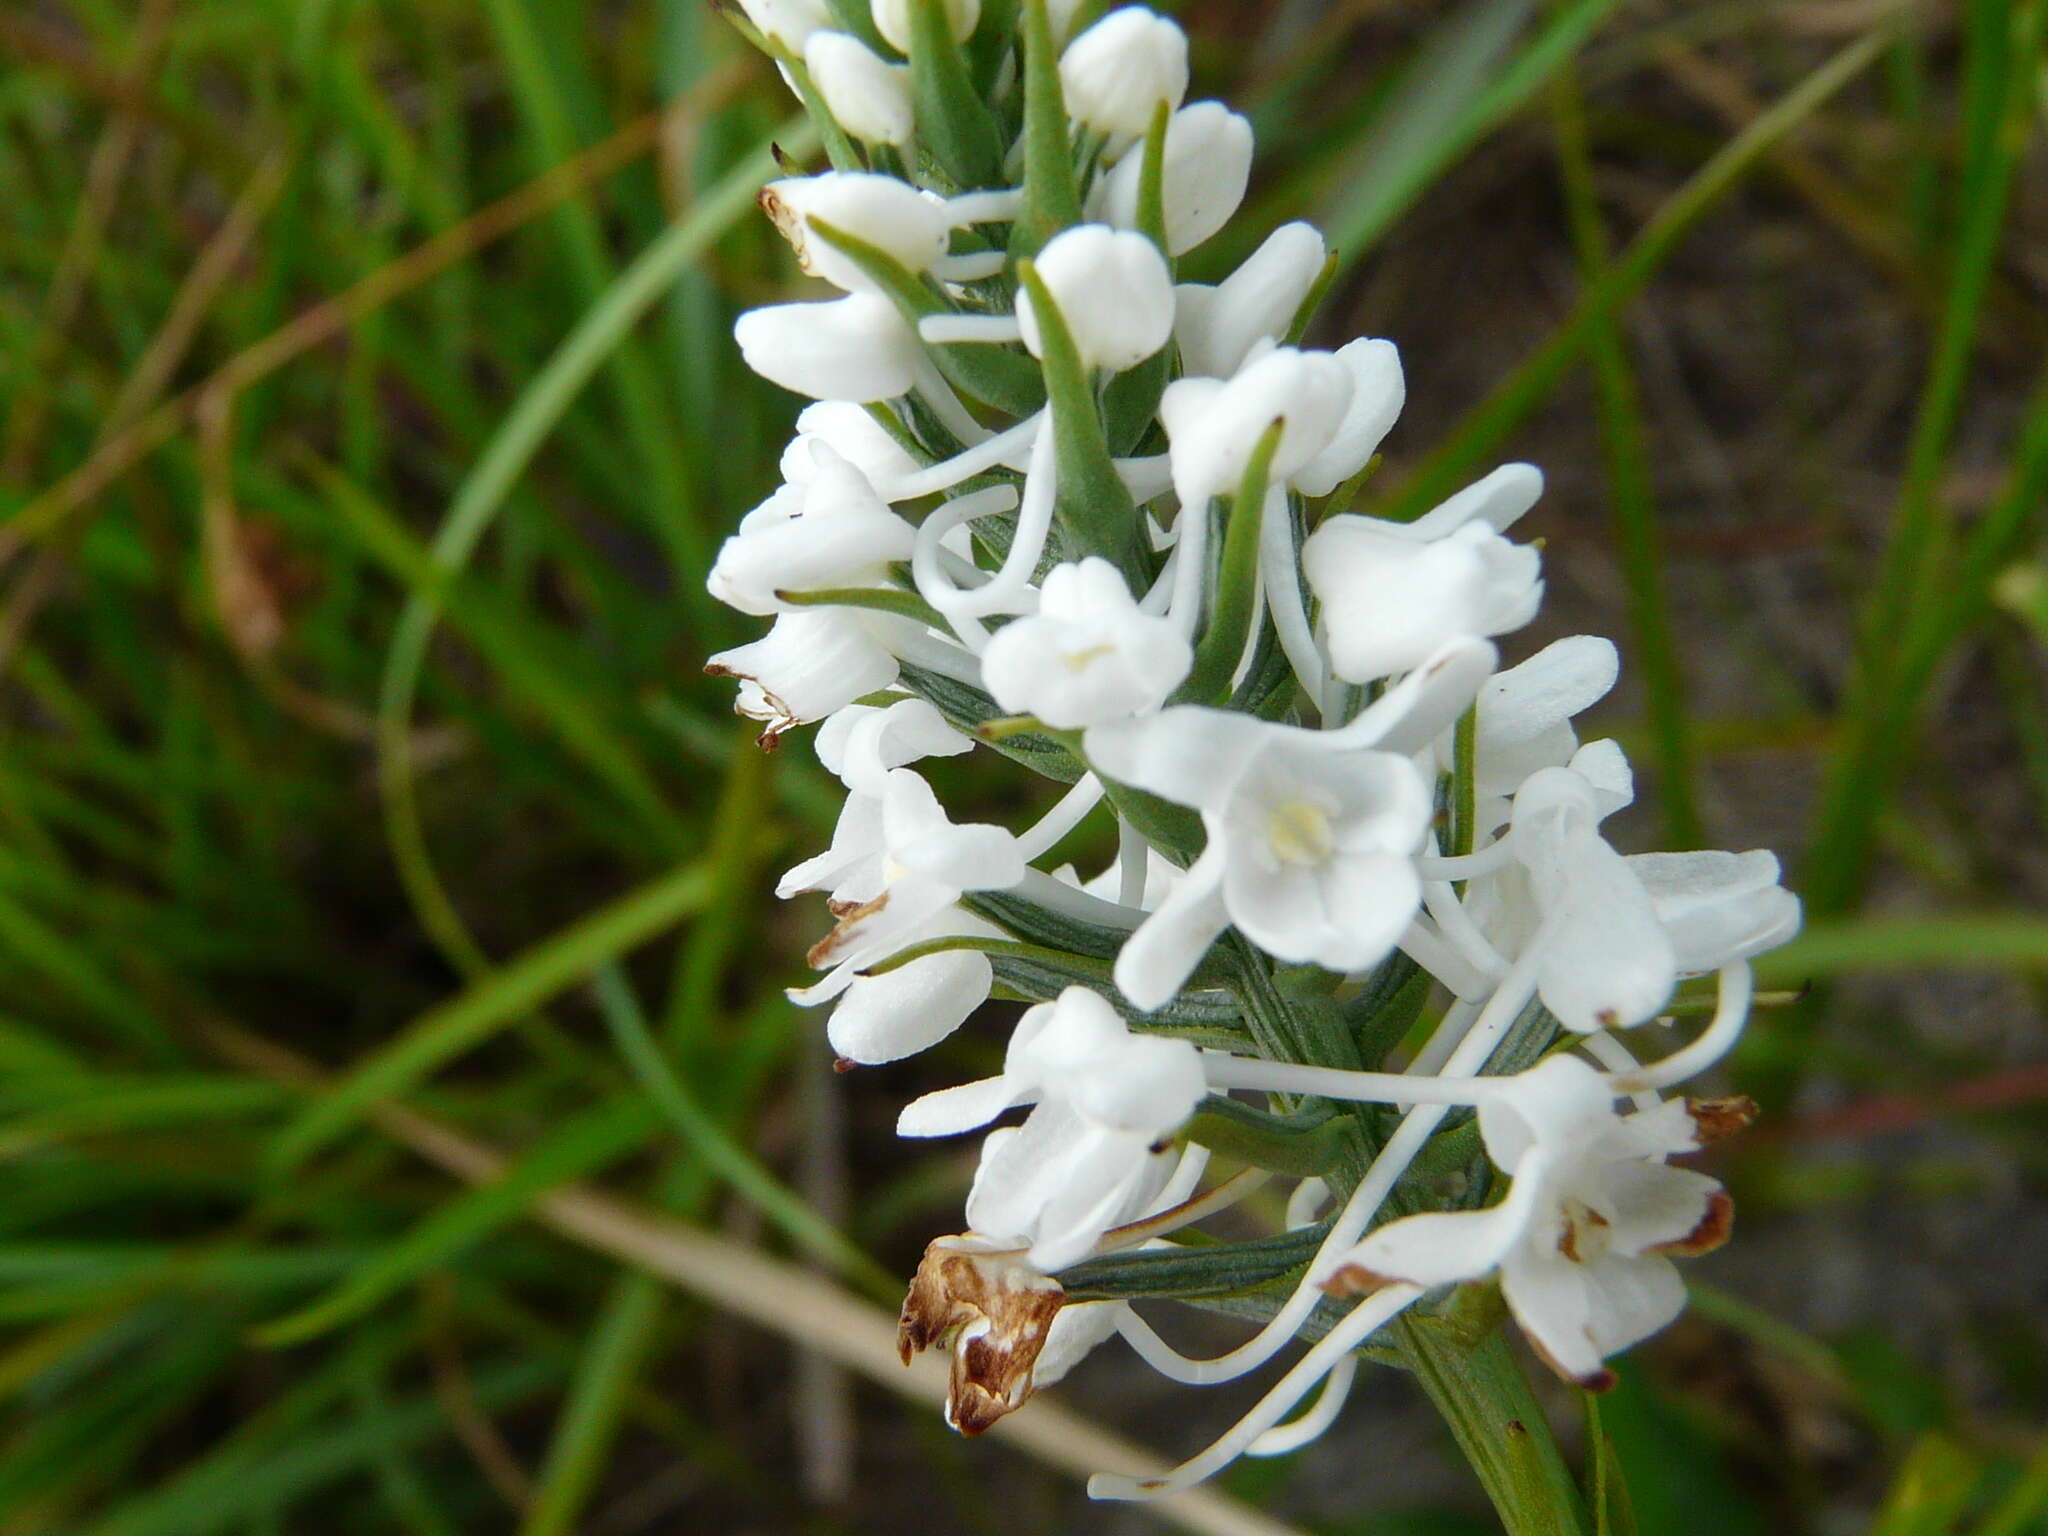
(710, 1142)
(621, 1341)
(1484, 1398)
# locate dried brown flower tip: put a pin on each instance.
(993, 1311)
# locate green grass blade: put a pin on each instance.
(467, 1020)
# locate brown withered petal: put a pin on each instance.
(1710, 1234)
(821, 953)
(993, 1311)
(1717, 1119)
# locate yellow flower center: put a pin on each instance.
(1299, 832)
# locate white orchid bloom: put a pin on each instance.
(1089, 1156)
(1214, 425)
(1310, 850)
(1116, 74)
(867, 95)
(834, 532)
(891, 215)
(912, 1006)
(811, 664)
(854, 348)
(1525, 713)
(849, 431)
(1208, 166)
(1112, 288)
(1581, 1241)
(1391, 597)
(1217, 327)
(1088, 655)
(914, 860)
(1717, 907)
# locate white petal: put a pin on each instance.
(1652, 1203)
(1439, 1248)
(1190, 754)
(1218, 327)
(856, 348)
(900, 1012)
(1116, 74)
(1718, 907)
(1208, 167)
(1607, 961)
(1630, 1299)
(867, 96)
(890, 215)
(953, 1110)
(1076, 1330)
(1111, 287)
(1499, 500)
(1545, 691)
(1169, 944)
(1548, 1295)
(1378, 391)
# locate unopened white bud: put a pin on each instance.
(1116, 74)
(1114, 291)
(849, 431)
(866, 95)
(890, 215)
(787, 23)
(1217, 327)
(856, 348)
(1208, 166)
(892, 20)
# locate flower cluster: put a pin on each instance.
(1049, 501)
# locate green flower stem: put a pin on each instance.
(1484, 1398)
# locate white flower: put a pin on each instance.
(1088, 654)
(1391, 594)
(835, 532)
(1089, 1156)
(1310, 851)
(849, 431)
(1605, 958)
(1116, 74)
(1525, 713)
(787, 22)
(1717, 907)
(897, 861)
(890, 215)
(1580, 1241)
(1113, 290)
(892, 20)
(856, 348)
(1213, 425)
(1378, 391)
(862, 744)
(811, 664)
(913, 1006)
(1208, 166)
(1218, 327)
(866, 95)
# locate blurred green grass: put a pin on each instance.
(370, 414)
